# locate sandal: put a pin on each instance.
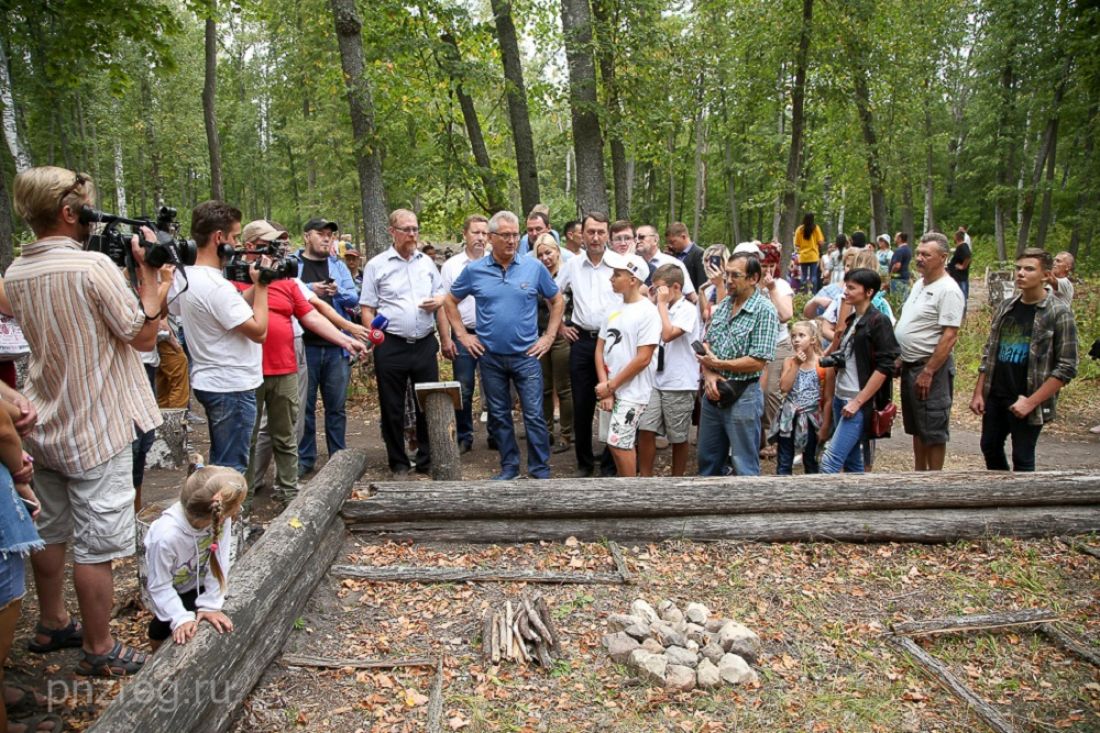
(34, 725)
(69, 637)
(31, 701)
(119, 662)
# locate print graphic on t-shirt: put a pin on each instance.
(1014, 343)
(614, 337)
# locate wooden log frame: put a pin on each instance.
(439, 400)
(974, 622)
(207, 679)
(670, 497)
(406, 574)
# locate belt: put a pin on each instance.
(590, 334)
(398, 337)
(914, 364)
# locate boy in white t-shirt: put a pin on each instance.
(676, 383)
(625, 366)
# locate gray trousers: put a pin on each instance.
(263, 440)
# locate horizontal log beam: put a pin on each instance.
(974, 622)
(666, 497)
(927, 526)
(305, 660)
(404, 574)
(207, 678)
(1071, 643)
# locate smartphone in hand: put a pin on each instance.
(698, 348)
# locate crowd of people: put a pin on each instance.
(628, 346)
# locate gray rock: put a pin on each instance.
(681, 626)
(707, 675)
(619, 645)
(667, 635)
(713, 652)
(739, 639)
(644, 611)
(735, 670)
(639, 630)
(692, 646)
(696, 633)
(653, 646)
(665, 605)
(697, 613)
(672, 615)
(620, 621)
(683, 657)
(650, 666)
(679, 678)
(712, 625)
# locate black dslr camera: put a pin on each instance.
(168, 249)
(281, 267)
(834, 360)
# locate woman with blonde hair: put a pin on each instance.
(555, 362)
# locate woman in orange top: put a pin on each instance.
(808, 240)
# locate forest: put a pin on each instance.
(733, 116)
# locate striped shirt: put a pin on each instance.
(751, 331)
(85, 381)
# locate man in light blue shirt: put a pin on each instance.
(506, 289)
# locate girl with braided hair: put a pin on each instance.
(187, 551)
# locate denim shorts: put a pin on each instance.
(12, 578)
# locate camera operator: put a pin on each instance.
(224, 334)
(89, 388)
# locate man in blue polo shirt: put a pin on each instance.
(507, 289)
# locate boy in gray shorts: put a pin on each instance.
(677, 380)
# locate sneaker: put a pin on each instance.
(1095, 430)
(797, 460)
(194, 419)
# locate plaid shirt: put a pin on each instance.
(751, 331)
(1052, 352)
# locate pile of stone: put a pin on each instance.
(682, 650)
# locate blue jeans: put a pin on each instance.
(964, 286)
(846, 446)
(465, 367)
(525, 372)
(811, 275)
(328, 369)
(230, 417)
(784, 455)
(734, 431)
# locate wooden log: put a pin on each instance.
(172, 443)
(548, 623)
(536, 622)
(435, 700)
(620, 564)
(496, 639)
(927, 526)
(542, 653)
(974, 622)
(1071, 643)
(1080, 547)
(305, 660)
(664, 497)
(941, 674)
(487, 636)
(207, 678)
(405, 574)
(437, 399)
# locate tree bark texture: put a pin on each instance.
(19, 152)
(439, 411)
(209, 677)
(7, 227)
(400, 574)
(522, 139)
(798, 124)
(974, 622)
(870, 139)
(151, 142)
(605, 57)
(576, 21)
(368, 146)
(209, 111)
(671, 497)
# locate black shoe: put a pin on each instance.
(400, 473)
(424, 468)
(583, 473)
(492, 444)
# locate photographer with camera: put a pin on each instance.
(89, 389)
(224, 333)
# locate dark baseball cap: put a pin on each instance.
(318, 223)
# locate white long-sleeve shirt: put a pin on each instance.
(178, 559)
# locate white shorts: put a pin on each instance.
(619, 428)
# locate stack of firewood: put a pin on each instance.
(522, 631)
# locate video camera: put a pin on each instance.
(281, 267)
(168, 248)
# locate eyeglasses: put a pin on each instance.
(407, 230)
(736, 276)
(77, 183)
(507, 236)
(627, 239)
(646, 236)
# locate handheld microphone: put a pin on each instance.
(380, 322)
(375, 336)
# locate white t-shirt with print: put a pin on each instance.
(627, 328)
(222, 359)
(681, 370)
(785, 290)
(927, 311)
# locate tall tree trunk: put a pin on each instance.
(870, 139)
(605, 57)
(576, 22)
(19, 152)
(1005, 160)
(798, 122)
(121, 207)
(209, 98)
(494, 196)
(699, 197)
(843, 205)
(907, 217)
(368, 148)
(731, 191)
(151, 141)
(929, 221)
(524, 142)
(671, 178)
(1082, 211)
(7, 227)
(1027, 200)
(1045, 214)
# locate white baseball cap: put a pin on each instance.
(751, 247)
(633, 264)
